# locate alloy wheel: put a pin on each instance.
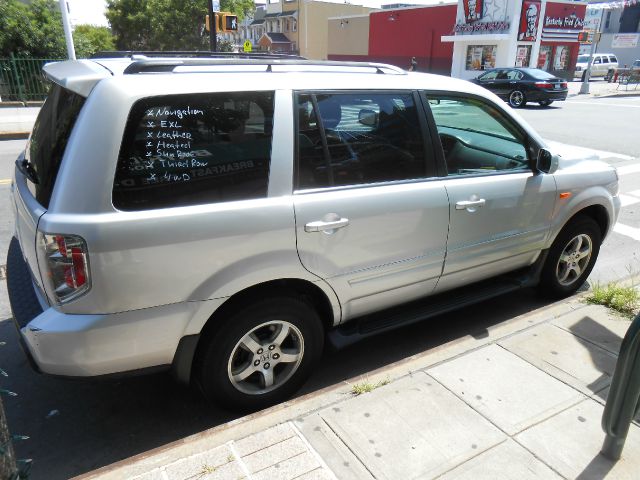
(574, 259)
(266, 357)
(516, 99)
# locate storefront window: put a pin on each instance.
(481, 57)
(544, 58)
(561, 57)
(523, 55)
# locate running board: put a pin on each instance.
(392, 318)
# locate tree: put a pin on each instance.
(35, 31)
(165, 24)
(89, 39)
(241, 8)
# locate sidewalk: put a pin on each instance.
(523, 402)
(601, 88)
(16, 121)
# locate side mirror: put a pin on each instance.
(368, 117)
(546, 162)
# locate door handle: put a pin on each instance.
(327, 227)
(470, 205)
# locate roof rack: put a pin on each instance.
(190, 54)
(168, 65)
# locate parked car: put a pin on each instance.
(221, 217)
(521, 85)
(600, 67)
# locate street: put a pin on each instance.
(77, 426)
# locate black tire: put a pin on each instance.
(517, 99)
(545, 103)
(584, 75)
(571, 258)
(227, 350)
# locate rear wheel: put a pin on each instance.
(545, 103)
(261, 355)
(517, 99)
(571, 258)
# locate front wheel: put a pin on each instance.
(545, 103)
(517, 99)
(571, 258)
(261, 355)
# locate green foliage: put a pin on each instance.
(89, 39)
(35, 31)
(625, 300)
(241, 8)
(166, 24)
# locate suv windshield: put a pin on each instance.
(49, 139)
(583, 59)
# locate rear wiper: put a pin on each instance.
(27, 169)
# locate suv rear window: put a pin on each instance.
(181, 150)
(49, 139)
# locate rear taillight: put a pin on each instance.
(563, 84)
(68, 266)
(544, 85)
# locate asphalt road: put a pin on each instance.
(601, 123)
(77, 426)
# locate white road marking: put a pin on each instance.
(635, 193)
(575, 152)
(627, 169)
(602, 103)
(627, 231)
(626, 200)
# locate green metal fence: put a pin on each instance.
(21, 79)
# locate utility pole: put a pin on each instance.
(584, 88)
(71, 51)
(213, 28)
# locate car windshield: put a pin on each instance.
(540, 74)
(583, 59)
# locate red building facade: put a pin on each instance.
(397, 35)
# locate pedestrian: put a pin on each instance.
(413, 65)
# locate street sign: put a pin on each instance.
(247, 46)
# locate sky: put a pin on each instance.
(87, 12)
(92, 11)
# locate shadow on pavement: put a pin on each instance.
(78, 426)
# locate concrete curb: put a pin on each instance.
(14, 135)
(17, 104)
(250, 424)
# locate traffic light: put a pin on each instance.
(583, 37)
(229, 22)
(225, 22)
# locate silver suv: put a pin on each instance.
(221, 218)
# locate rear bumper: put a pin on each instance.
(67, 345)
(537, 96)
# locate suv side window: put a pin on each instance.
(476, 137)
(357, 138)
(181, 150)
(613, 59)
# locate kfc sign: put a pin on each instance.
(572, 22)
(472, 10)
(529, 20)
